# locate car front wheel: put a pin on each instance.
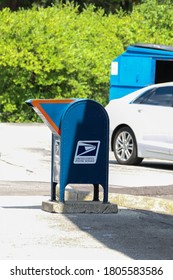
(125, 147)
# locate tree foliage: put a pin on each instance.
(57, 52)
(108, 6)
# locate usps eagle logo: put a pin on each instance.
(86, 152)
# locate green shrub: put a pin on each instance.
(53, 53)
(57, 52)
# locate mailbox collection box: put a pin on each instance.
(80, 143)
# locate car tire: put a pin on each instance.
(125, 147)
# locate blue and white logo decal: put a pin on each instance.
(86, 152)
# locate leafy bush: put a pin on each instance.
(57, 52)
(53, 53)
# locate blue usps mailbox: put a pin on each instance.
(80, 143)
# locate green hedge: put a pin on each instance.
(58, 53)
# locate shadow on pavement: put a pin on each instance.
(161, 165)
(141, 235)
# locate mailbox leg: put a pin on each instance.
(62, 190)
(53, 184)
(96, 192)
(53, 191)
(105, 197)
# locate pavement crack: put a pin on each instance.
(16, 165)
(7, 162)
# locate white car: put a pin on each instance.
(141, 124)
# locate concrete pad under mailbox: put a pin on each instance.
(83, 207)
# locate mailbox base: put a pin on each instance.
(83, 207)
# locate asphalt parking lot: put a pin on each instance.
(28, 232)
